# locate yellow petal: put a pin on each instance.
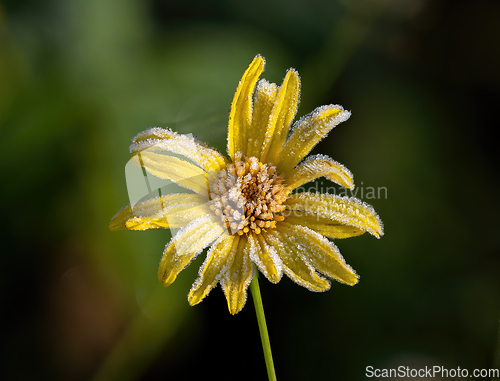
(171, 168)
(265, 95)
(237, 275)
(322, 254)
(282, 114)
(187, 244)
(211, 271)
(169, 211)
(339, 210)
(265, 257)
(319, 166)
(240, 116)
(295, 265)
(307, 132)
(322, 225)
(158, 139)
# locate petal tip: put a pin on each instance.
(237, 307)
(193, 299)
(259, 60)
(165, 280)
(112, 226)
(293, 72)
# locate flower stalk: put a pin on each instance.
(261, 319)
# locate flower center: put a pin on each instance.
(248, 196)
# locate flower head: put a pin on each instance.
(245, 209)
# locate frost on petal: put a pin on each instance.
(295, 264)
(265, 257)
(348, 211)
(265, 94)
(186, 245)
(322, 225)
(240, 115)
(169, 167)
(170, 211)
(281, 117)
(322, 254)
(307, 132)
(319, 166)
(211, 270)
(158, 139)
(238, 274)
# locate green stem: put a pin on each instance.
(261, 319)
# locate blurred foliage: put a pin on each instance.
(79, 78)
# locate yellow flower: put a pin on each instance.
(244, 209)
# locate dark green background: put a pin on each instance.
(80, 78)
